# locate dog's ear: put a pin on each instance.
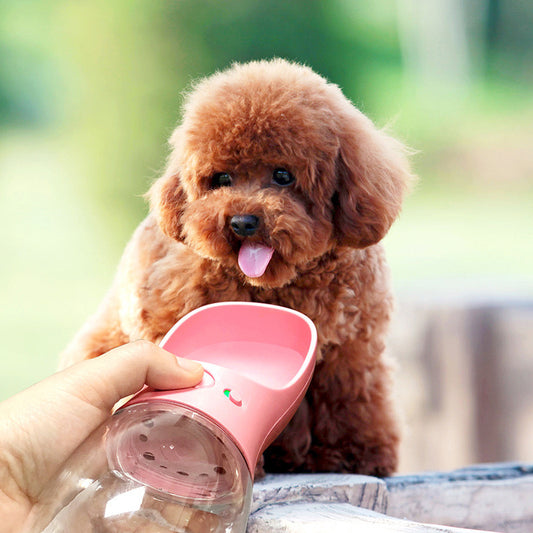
(167, 197)
(372, 176)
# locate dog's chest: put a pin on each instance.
(330, 298)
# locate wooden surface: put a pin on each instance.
(333, 518)
(495, 497)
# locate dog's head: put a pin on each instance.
(271, 168)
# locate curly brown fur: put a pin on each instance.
(324, 229)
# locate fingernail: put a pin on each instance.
(189, 365)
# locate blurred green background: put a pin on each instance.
(90, 91)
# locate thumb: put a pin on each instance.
(125, 370)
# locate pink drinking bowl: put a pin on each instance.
(202, 444)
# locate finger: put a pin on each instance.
(123, 371)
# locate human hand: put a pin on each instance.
(41, 427)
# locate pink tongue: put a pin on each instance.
(254, 258)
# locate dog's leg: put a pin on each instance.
(354, 426)
(346, 423)
(101, 333)
(288, 453)
(118, 320)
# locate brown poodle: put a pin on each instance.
(277, 190)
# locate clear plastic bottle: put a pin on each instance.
(182, 461)
(168, 468)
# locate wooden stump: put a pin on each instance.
(485, 498)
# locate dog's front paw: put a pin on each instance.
(260, 468)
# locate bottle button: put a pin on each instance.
(235, 398)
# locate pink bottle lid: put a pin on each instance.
(258, 361)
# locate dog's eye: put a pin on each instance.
(282, 177)
(221, 179)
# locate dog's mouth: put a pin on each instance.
(254, 258)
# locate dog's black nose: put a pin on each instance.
(244, 225)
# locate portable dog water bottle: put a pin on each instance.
(183, 461)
